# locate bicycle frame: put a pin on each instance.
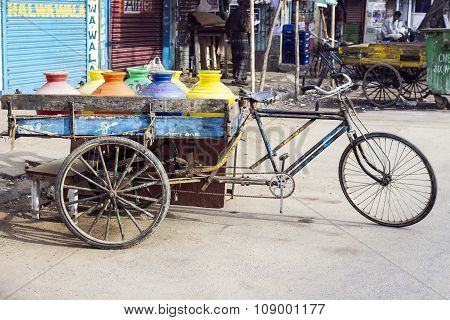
(295, 167)
(314, 151)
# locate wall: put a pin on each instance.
(373, 20)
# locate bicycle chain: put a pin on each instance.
(202, 193)
(229, 195)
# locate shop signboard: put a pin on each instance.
(136, 6)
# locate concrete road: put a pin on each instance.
(321, 248)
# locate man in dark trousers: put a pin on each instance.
(237, 28)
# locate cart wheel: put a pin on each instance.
(100, 189)
(414, 83)
(441, 101)
(382, 85)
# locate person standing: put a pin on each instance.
(340, 17)
(393, 28)
(237, 28)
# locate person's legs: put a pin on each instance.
(392, 37)
(243, 58)
(234, 58)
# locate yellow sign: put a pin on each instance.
(46, 10)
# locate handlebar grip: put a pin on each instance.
(307, 88)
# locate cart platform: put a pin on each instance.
(91, 116)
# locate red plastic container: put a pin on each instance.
(56, 84)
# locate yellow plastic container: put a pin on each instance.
(95, 80)
(177, 81)
(210, 87)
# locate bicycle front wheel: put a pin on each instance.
(387, 180)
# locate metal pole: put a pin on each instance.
(297, 51)
(252, 45)
(269, 44)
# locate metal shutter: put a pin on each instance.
(136, 32)
(44, 35)
(355, 11)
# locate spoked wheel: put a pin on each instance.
(355, 73)
(112, 192)
(415, 86)
(382, 85)
(387, 179)
(315, 75)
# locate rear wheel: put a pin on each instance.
(387, 180)
(112, 192)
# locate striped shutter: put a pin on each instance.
(136, 32)
(355, 11)
(43, 35)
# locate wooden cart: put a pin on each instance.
(389, 71)
(162, 138)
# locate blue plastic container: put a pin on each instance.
(162, 87)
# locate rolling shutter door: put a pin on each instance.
(355, 11)
(43, 35)
(136, 32)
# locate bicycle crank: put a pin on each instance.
(282, 185)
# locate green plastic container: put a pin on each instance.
(438, 60)
(138, 79)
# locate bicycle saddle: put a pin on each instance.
(263, 96)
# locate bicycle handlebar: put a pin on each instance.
(325, 41)
(338, 89)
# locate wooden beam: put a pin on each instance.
(109, 103)
(269, 44)
(252, 45)
(333, 25)
(297, 50)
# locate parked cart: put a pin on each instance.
(113, 190)
(388, 71)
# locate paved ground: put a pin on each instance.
(319, 249)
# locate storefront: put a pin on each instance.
(354, 21)
(136, 32)
(49, 35)
(375, 15)
(413, 12)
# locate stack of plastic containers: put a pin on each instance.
(288, 47)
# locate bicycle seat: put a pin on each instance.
(262, 97)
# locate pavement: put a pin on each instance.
(12, 160)
(320, 248)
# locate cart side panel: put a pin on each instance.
(91, 126)
(399, 55)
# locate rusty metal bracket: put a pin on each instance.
(149, 136)
(72, 119)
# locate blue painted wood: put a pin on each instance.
(123, 125)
